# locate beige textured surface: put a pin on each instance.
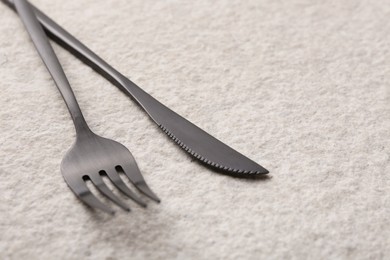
(300, 86)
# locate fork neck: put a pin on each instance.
(80, 124)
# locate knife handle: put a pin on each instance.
(65, 39)
(82, 52)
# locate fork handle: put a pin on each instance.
(50, 59)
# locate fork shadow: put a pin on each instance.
(134, 231)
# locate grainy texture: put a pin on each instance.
(300, 86)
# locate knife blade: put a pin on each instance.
(198, 143)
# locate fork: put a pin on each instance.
(91, 156)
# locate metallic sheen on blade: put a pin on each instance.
(191, 138)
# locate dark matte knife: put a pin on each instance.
(188, 136)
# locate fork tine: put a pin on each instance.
(144, 188)
(118, 182)
(102, 187)
(133, 173)
(80, 189)
(89, 199)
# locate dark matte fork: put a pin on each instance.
(91, 156)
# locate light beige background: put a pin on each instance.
(300, 86)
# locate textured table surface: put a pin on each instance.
(302, 87)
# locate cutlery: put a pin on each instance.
(91, 156)
(198, 143)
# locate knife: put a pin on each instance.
(198, 143)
